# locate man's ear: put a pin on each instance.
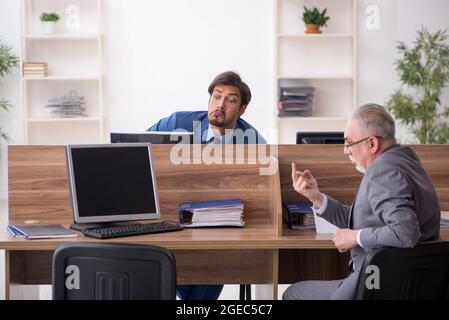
(374, 145)
(242, 110)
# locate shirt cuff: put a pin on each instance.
(358, 238)
(323, 207)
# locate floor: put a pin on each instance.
(230, 292)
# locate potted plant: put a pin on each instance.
(8, 61)
(49, 20)
(314, 19)
(424, 69)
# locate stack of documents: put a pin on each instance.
(69, 105)
(298, 215)
(296, 101)
(40, 231)
(228, 212)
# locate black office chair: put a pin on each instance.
(107, 271)
(415, 273)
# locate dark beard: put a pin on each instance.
(217, 123)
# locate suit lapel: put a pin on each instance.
(350, 224)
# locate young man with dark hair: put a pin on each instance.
(229, 97)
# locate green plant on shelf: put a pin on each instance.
(49, 17)
(315, 19)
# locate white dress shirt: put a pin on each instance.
(323, 207)
(227, 137)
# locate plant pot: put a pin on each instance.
(313, 28)
(48, 27)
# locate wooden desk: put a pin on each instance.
(265, 251)
(337, 177)
(38, 190)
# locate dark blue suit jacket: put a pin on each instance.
(185, 119)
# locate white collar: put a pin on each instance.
(227, 136)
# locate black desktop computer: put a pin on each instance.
(112, 186)
(333, 137)
(156, 137)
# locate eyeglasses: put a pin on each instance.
(348, 145)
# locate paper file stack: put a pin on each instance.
(296, 101)
(228, 212)
(298, 215)
(68, 106)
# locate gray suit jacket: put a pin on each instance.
(396, 205)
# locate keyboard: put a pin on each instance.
(132, 230)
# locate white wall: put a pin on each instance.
(161, 56)
(399, 20)
(11, 121)
(172, 50)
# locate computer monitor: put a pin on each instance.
(320, 137)
(112, 182)
(156, 137)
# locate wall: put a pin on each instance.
(174, 50)
(11, 121)
(399, 20)
(160, 56)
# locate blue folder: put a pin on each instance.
(186, 210)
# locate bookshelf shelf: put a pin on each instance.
(326, 62)
(314, 36)
(47, 120)
(317, 76)
(62, 78)
(63, 37)
(74, 59)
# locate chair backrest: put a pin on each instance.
(415, 273)
(107, 271)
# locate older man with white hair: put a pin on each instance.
(395, 206)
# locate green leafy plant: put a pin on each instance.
(8, 61)
(49, 16)
(314, 16)
(424, 69)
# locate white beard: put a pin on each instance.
(358, 167)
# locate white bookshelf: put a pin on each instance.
(50, 120)
(75, 59)
(325, 61)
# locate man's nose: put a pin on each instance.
(221, 103)
(346, 151)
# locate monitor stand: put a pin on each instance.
(85, 226)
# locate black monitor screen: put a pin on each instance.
(320, 138)
(156, 137)
(112, 182)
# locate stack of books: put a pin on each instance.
(40, 231)
(298, 215)
(296, 101)
(35, 69)
(227, 212)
